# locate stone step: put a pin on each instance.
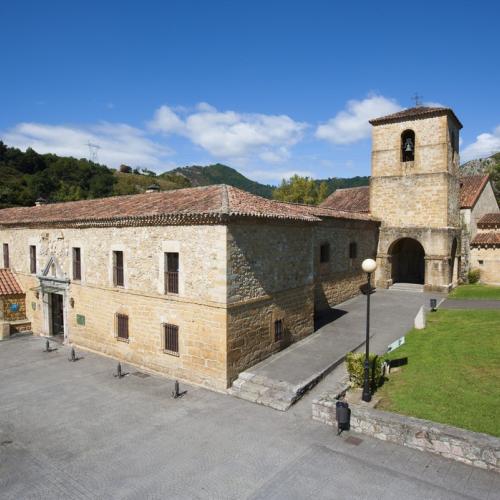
(407, 287)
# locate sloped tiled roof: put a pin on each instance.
(489, 220)
(8, 283)
(195, 205)
(417, 112)
(471, 187)
(349, 199)
(491, 238)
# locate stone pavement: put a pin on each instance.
(470, 304)
(283, 378)
(73, 431)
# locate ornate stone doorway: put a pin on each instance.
(408, 261)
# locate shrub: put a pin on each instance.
(355, 369)
(473, 276)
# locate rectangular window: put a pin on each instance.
(32, 259)
(118, 274)
(278, 330)
(171, 272)
(122, 326)
(353, 250)
(171, 333)
(6, 260)
(77, 264)
(324, 252)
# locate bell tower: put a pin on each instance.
(414, 192)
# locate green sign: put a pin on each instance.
(80, 319)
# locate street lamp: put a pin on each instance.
(368, 266)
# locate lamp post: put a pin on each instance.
(368, 266)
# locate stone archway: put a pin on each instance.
(408, 261)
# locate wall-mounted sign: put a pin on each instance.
(33, 306)
(14, 308)
(80, 319)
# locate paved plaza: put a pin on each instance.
(72, 430)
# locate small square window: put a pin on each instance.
(324, 252)
(480, 262)
(171, 336)
(278, 330)
(122, 326)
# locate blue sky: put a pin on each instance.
(269, 87)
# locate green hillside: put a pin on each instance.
(221, 174)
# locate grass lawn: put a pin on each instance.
(453, 371)
(476, 292)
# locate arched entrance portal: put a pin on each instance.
(408, 264)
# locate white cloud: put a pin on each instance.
(351, 125)
(485, 144)
(232, 135)
(119, 143)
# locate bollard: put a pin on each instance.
(433, 305)
(47, 346)
(343, 416)
(119, 371)
(73, 355)
(176, 393)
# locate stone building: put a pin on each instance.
(202, 283)
(485, 248)
(198, 283)
(12, 305)
(429, 212)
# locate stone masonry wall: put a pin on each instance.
(199, 309)
(473, 448)
(8, 301)
(487, 260)
(423, 192)
(339, 279)
(270, 278)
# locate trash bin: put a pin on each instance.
(343, 416)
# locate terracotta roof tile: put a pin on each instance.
(8, 283)
(190, 204)
(490, 220)
(349, 199)
(471, 187)
(489, 238)
(417, 112)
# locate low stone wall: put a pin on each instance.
(473, 448)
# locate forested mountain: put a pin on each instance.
(26, 176)
(221, 174)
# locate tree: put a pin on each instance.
(299, 189)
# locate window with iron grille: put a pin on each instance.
(6, 260)
(353, 250)
(324, 252)
(32, 259)
(122, 326)
(278, 330)
(118, 274)
(171, 272)
(77, 264)
(171, 334)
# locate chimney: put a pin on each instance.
(40, 201)
(154, 188)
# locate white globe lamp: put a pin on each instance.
(369, 265)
